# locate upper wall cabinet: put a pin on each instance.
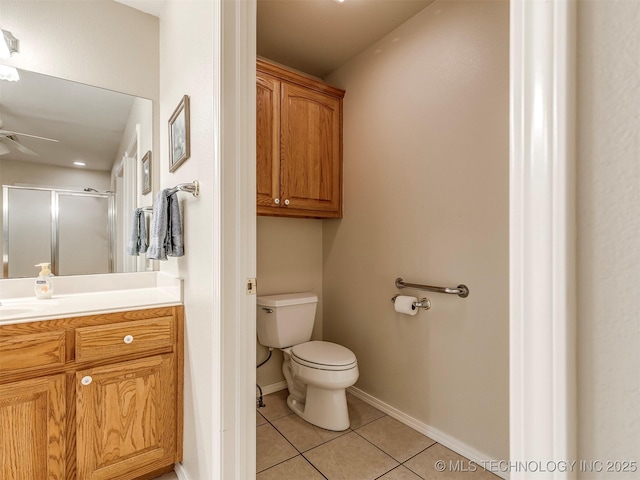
(298, 144)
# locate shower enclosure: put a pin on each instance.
(72, 230)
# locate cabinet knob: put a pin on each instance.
(286, 202)
(276, 201)
(128, 339)
(86, 380)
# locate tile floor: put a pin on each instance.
(167, 476)
(376, 446)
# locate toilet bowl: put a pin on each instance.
(317, 373)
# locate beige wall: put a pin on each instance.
(101, 43)
(608, 233)
(188, 67)
(48, 176)
(426, 197)
(289, 260)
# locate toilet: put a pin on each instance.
(317, 373)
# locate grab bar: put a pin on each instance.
(461, 290)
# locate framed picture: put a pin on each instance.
(146, 173)
(179, 145)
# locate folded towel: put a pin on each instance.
(138, 240)
(175, 245)
(166, 227)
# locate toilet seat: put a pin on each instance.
(323, 356)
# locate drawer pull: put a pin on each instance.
(128, 339)
(86, 380)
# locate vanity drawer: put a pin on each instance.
(124, 338)
(31, 350)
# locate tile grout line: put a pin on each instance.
(350, 429)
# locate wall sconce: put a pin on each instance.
(8, 46)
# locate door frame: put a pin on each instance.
(542, 234)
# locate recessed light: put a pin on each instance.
(80, 164)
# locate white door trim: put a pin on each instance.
(238, 241)
(542, 235)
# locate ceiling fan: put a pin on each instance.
(9, 140)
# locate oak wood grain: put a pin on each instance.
(32, 428)
(304, 173)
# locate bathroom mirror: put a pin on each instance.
(70, 170)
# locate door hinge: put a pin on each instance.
(251, 286)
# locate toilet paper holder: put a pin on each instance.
(424, 303)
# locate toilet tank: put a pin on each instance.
(286, 319)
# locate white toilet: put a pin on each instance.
(317, 373)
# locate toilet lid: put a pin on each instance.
(324, 355)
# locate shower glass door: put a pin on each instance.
(28, 225)
(71, 230)
(83, 236)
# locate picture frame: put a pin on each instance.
(146, 173)
(179, 133)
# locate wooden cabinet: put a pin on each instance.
(126, 418)
(298, 144)
(32, 426)
(96, 397)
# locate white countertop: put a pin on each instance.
(147, 290)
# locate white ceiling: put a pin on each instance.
(87, 121)
(313, 36)
(318, 36)
(153, 7)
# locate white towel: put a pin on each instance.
(138, 240)
(166, 227)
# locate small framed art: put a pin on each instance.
(179, 144)
(146, 173)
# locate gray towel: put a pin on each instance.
(138, 240)
(166, 227)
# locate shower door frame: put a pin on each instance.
(54, 226)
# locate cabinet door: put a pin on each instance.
(311, 150)
(126, 423)
(268, 141)
(32, 425)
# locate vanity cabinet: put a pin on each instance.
(298, 144)
(33, 425)
(101, 401)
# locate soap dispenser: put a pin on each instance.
(43, 287)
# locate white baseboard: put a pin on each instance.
(274, 387)
(181, 473)
(448, 441)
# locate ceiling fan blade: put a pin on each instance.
(18, 146)
(8, 132)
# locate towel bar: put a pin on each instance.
(193, 188)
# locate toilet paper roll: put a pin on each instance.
(404, 304)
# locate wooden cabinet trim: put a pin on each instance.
(263, 65)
